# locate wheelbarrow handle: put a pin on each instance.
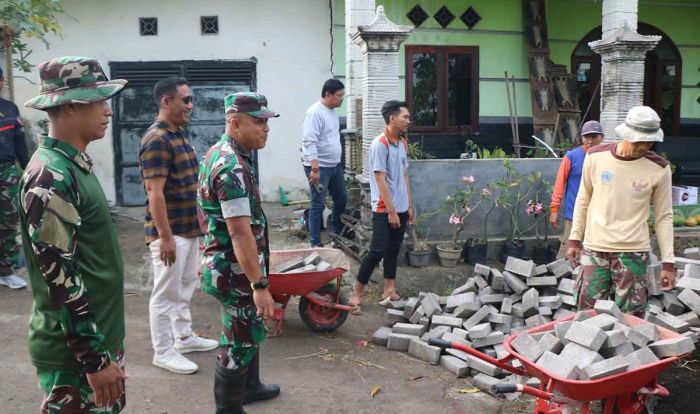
(504, 388)
(508, 388)
(440, 343)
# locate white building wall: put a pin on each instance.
(289, 38)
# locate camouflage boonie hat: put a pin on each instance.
(250, 103)
(73, 80)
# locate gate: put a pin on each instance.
(135, 109)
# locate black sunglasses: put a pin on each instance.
(186, 100)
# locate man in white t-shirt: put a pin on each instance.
(321, 154)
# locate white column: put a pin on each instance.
(357, 13)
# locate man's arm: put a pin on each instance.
(53, 223)
(411, 212)
(663, 213)
(159, 213)
(583, 200)
(385, 194)
(312, 133)
(559, 188)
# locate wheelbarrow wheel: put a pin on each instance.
(321, 318)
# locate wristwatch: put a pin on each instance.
(262, 283)
(314, 169)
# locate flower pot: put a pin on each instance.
(419, 259)
(448, 255)
(475, 252)
(515, 248)
(543, 254)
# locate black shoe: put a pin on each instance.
(256, 390)
(229, 389)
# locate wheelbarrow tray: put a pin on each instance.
(304, 283)
(618, 384)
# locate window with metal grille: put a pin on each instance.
(209, 24)
(148, 26)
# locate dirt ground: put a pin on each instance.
(318, 373)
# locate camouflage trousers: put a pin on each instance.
(243, 332)
(9, 188)
(620, 275)
(68, 392)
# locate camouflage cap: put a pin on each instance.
(73, 80)
(250, 103)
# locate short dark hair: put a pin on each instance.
(331, 86)
(392, 107)
(168, 87)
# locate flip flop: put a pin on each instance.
(357, 311)
(384, 302)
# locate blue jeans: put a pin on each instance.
(333, 181)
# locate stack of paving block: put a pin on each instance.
(678, 309)
(481, 313)
(304, 264)
(591, 347)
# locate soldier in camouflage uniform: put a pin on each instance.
(12, 149)
(619, 182)
(76, 328)
(235, 256)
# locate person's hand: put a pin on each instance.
(553, 220)
(668, 279)
(264, 303)
(572, 254)
(167, 250)
(315, 177)
(108, 384)
(411, 215)
(394, 220)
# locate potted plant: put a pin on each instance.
(420, 253)
(512, 193)
(461, 204)
(541, 251)
(475, 249)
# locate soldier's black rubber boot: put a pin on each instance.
(229, 389)
(256, 390)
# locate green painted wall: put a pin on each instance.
(678, 20)
(502, 46)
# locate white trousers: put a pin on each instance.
(173, 286)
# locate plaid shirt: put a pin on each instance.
(168, 154)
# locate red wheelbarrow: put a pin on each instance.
(322, 306)
(623, 393)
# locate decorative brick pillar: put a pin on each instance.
(622, 52)
(379, 42)
(357, 13)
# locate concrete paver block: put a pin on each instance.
(530, 303)
(653, 278)
(687, 282)
(557, 365)
(460, 333)
(586, 335)
(500, 318)
(435, 333)
(536, 320)
(381, 336)
(481, 283)
(515, 282)
(640, 357)
(395, 315)
(455, 300)
(691, 318)
(312, 259)
(398, 305)
(498, 281)
(520, 267)
(290, 265)
(621, 350)
(609, 307)
(615, 337)
(672, 304)
(468, 286)
(507, 306)
(690, 299)
(423, 351)
(408, 329)
(568, 300)
(410, 307)
(551, 343)
(419, 313)
(482, 270)
(680, 262)
(542, 281)
(692, 270)
(647, 330)
(493, 299)
(454, 338)
(552, 302)
(467, 309)
(560, 268)
(602, 321)
(580, 355)
(692, 253)
(502, 327)
(450, 321)
(484, 382)
(454, 365)
(545, 311)
(541, 270)
(493, 338)
(566, 286)
(562, 313)
(476, 318)
(672, 347)
(399, 342)
(430, 304)
(670, 322)
(482, 366)
(527, 346)
(606, 368)
(323, 266)
(479, 331)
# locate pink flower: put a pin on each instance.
(466, 210)
(454, 219)
(485, 192)
(468, 179)
(539, 209)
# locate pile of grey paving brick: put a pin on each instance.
(493, 304)
(303, 264)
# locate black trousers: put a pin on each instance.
(386, 242)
